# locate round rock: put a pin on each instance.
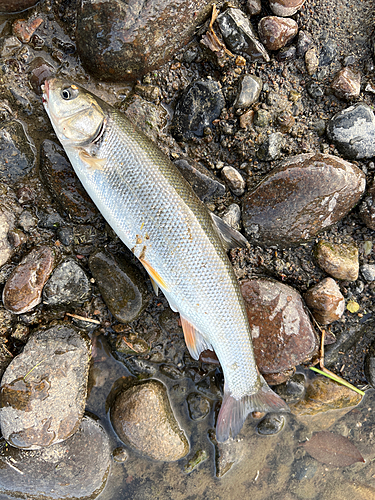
(249, 91)
(282, 334)
(275, 32)
(234, 180)
(23, 289)
(142, 417)
(325, 301)
(338, 260)
(353, 131)
(300, 197)
(285, 8)
(43, 390)
(346, 84)
(77, 468)
(68, 285)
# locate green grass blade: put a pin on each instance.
(337, 379)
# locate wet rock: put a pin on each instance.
(142, 417)
(271, 147)
(346, 84)
(234, 180)
(311, 60)
(328, 53)
(304, 468)
(198, 406)
(285, 8)
(232, 216)
(246, 120)
(300, 197)
(226, 454)
(324, 394)
(249, 91)
(276, 32)
(43, 390)
(199, 457)
(304, 43)
(17, 156)
(369, 366)
(68, 285)
(9, 209)
(293, 389)
(23, 289)
(77, 468)
(286, 53)
(271, 424)
(25, 29)
(39, 71)
(199, 105)
(58, 175)
(120, 454)
(325, 301)
(368, 272)
(240, 36)
(340, 261)
(122, 41)
(121, 284)
(253, 7)
(205, 185)
(353, 131)
(16, 5)
(282, 334)
(367, 208)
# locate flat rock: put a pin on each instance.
(9, 209)
(23, 289)
(17, 155)
(77, 468)
(67, 285)
(123, 40)
(43, 390)
(282, 334)
(59, 177)
(142, 417)
(121, 284)
(300, 197)
(205, 185)
(353, 131)
(338, 260)
(325, 301)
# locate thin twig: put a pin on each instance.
(82, 318)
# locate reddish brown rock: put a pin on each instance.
(325, 301)
(276, 32)
(23, 289)
(285, 8)
(346, 84)
(283, 336)
(24, 30)
(338, 260)
(300, 197)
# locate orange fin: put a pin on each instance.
(195, 341)
(92, 162)
(154, 275)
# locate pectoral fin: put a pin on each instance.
(154, 275)
(93, 162)
(229, 236)
(195, 341)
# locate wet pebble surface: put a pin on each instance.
(325, 301)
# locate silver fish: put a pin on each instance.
(156, 214)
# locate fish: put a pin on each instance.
(182, 245)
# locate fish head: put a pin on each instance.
(76, 115)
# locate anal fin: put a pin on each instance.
(195, 341)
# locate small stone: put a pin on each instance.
(234, 179)
(340, 261)
(120, 454)
(253, 7)
(121, 284)
(24, 30)
(315, 90)
(346, 84)
(328, 53)
(276, 32)
(20, 332)
(285, 8)
(271, 148)
(199, 105)
(205, 185)
(262, 118)
(368, 272)
(304, 42)
(27, 221)
(239, 34)
(142, 417)
(311, 60)
(23, 289)
(300, 197)
(17, 154)
(43, 391)
(77, 468)
(246, 120)
(232, 216)
(293, 389)
(68, 285)
(353, 131)
(367, 208)
(249, 91)
(226, 454)
(325, 301)
(282, 334)
(286, 53)
(198, 405)
(199, 457)
(352, 306)
(271, 424)
(285, 121)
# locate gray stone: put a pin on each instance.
(368, 272)
(205, 185)
(43, 390)
(17, 155)
(232, 216)
(77, 468)
(234, 180)
(198, 405)
(250, 88)
(271, 147)
(68, 285)
(353, 131)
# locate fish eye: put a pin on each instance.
(69, 93)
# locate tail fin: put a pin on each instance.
(233, 412)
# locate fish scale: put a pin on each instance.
(156, 214)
